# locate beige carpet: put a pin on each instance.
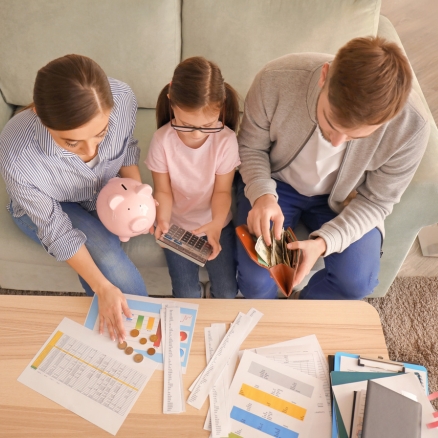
(409, 315)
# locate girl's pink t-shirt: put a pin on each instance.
(192, 172)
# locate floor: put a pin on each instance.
(416, 24)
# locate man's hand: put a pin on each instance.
(265, 209)
(213, 232)
(112, 303)
(311, 251)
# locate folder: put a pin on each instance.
(387, 365)
(339, 378)
(389, 414)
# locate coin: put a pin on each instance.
(122, 345)
(153, 338)
(143, 340)
(134, 333)
(138, 358)
(129, 350)
(151, 351)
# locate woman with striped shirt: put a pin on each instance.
(55, 157)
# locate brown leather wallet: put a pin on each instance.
(282, 274)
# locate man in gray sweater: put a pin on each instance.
(333, 141)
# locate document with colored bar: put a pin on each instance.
(86, 374)
(144, 329)
(269, 399)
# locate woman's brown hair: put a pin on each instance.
(369, 82)
(196, 84)
(70, 91)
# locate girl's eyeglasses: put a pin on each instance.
(194, 128)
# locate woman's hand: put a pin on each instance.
(112, 303)
(213, 232)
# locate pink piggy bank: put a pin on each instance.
(126, 207)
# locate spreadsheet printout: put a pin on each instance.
(91, 377)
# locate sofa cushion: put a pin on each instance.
(138, 42)
(243, 35)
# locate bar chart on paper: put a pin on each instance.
(269, 399)
(144, 331)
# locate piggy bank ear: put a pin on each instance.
(144, 189)
(114, 201)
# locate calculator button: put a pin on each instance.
(168, 236)
(173, 229)
(179, 233)
(193, 240)
(177, 242)
(199, 243)
(186, 237)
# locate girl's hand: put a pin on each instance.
(161, 228)
(112, 303)
(213, 232)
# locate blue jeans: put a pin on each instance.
(221, 271)
(351, 274)
(103, 246)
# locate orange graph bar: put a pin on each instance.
(150, 323)
(47, 349)
(273, 402)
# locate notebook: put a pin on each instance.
(389, 414)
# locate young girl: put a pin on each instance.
(193, 157)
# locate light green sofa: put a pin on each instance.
(140, 42)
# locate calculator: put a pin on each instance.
(186, 244)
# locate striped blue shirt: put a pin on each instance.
(39, 174)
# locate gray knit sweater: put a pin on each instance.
(280, 117)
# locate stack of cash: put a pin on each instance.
(278, 252)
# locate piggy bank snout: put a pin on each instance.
(140, 224)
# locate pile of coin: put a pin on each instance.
(129, 350)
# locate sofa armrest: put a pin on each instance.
(419, 204)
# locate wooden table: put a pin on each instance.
(27, 321)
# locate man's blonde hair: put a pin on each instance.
(369, 82)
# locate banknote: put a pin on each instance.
(278, 252)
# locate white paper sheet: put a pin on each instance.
(219, 420)
(87, 374)
(270, 399)
(173, 391)
(309, 359)
(229, 346)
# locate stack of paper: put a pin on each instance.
(278, 390)
(344, 385)
(229, 346)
